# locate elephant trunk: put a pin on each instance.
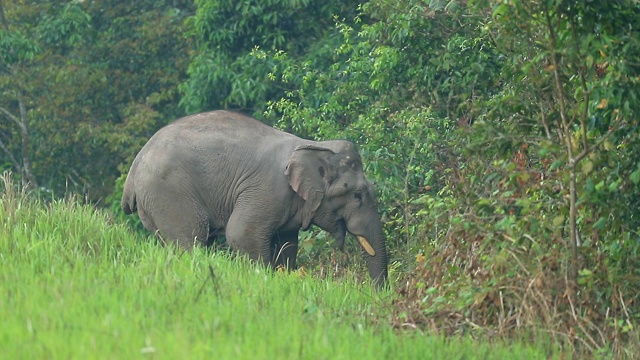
(373, 244)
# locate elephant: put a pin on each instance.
(225, 173)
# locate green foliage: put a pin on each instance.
(223, 74)
(465, 131)
(561, 124)
(94, 81)
(16, 47)
(65, 28)
(582, 86)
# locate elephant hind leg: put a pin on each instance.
(147, 221)
(178, 223)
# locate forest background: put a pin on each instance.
(500, 135)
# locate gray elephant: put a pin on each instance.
(221, 172)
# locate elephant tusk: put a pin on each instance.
(365, 245)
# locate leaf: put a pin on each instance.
(452, 6)
(613, 186)
(543, 152)
(635, 176)
(556, 164)
(589, 60)
(500, 10)
(603, 103)
(600, 224)
(585, 272)
(558, 220)
(524, 177)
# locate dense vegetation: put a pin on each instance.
(500, 134)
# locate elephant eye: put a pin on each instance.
(357, 195)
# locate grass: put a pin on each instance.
(73, 284)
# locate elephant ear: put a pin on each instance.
(309, 175)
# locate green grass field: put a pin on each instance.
(74, 285)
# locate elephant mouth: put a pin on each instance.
(340, 233)
(366, 245)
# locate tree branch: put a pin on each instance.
(586, 151)
(583, 83)
(573, 228)
(12, 158)
(13, 118)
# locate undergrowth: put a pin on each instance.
(501, 268)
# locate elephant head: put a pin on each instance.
(338, 198)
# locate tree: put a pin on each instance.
(584, 84)
(224, 74)
(103, 79)
(17, 50)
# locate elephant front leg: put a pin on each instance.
(286, 249)
(248, 233)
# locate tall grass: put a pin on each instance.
(73, 284)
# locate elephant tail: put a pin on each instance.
(128, 203)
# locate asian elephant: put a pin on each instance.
(221, 172)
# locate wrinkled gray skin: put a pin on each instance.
(224, 173)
